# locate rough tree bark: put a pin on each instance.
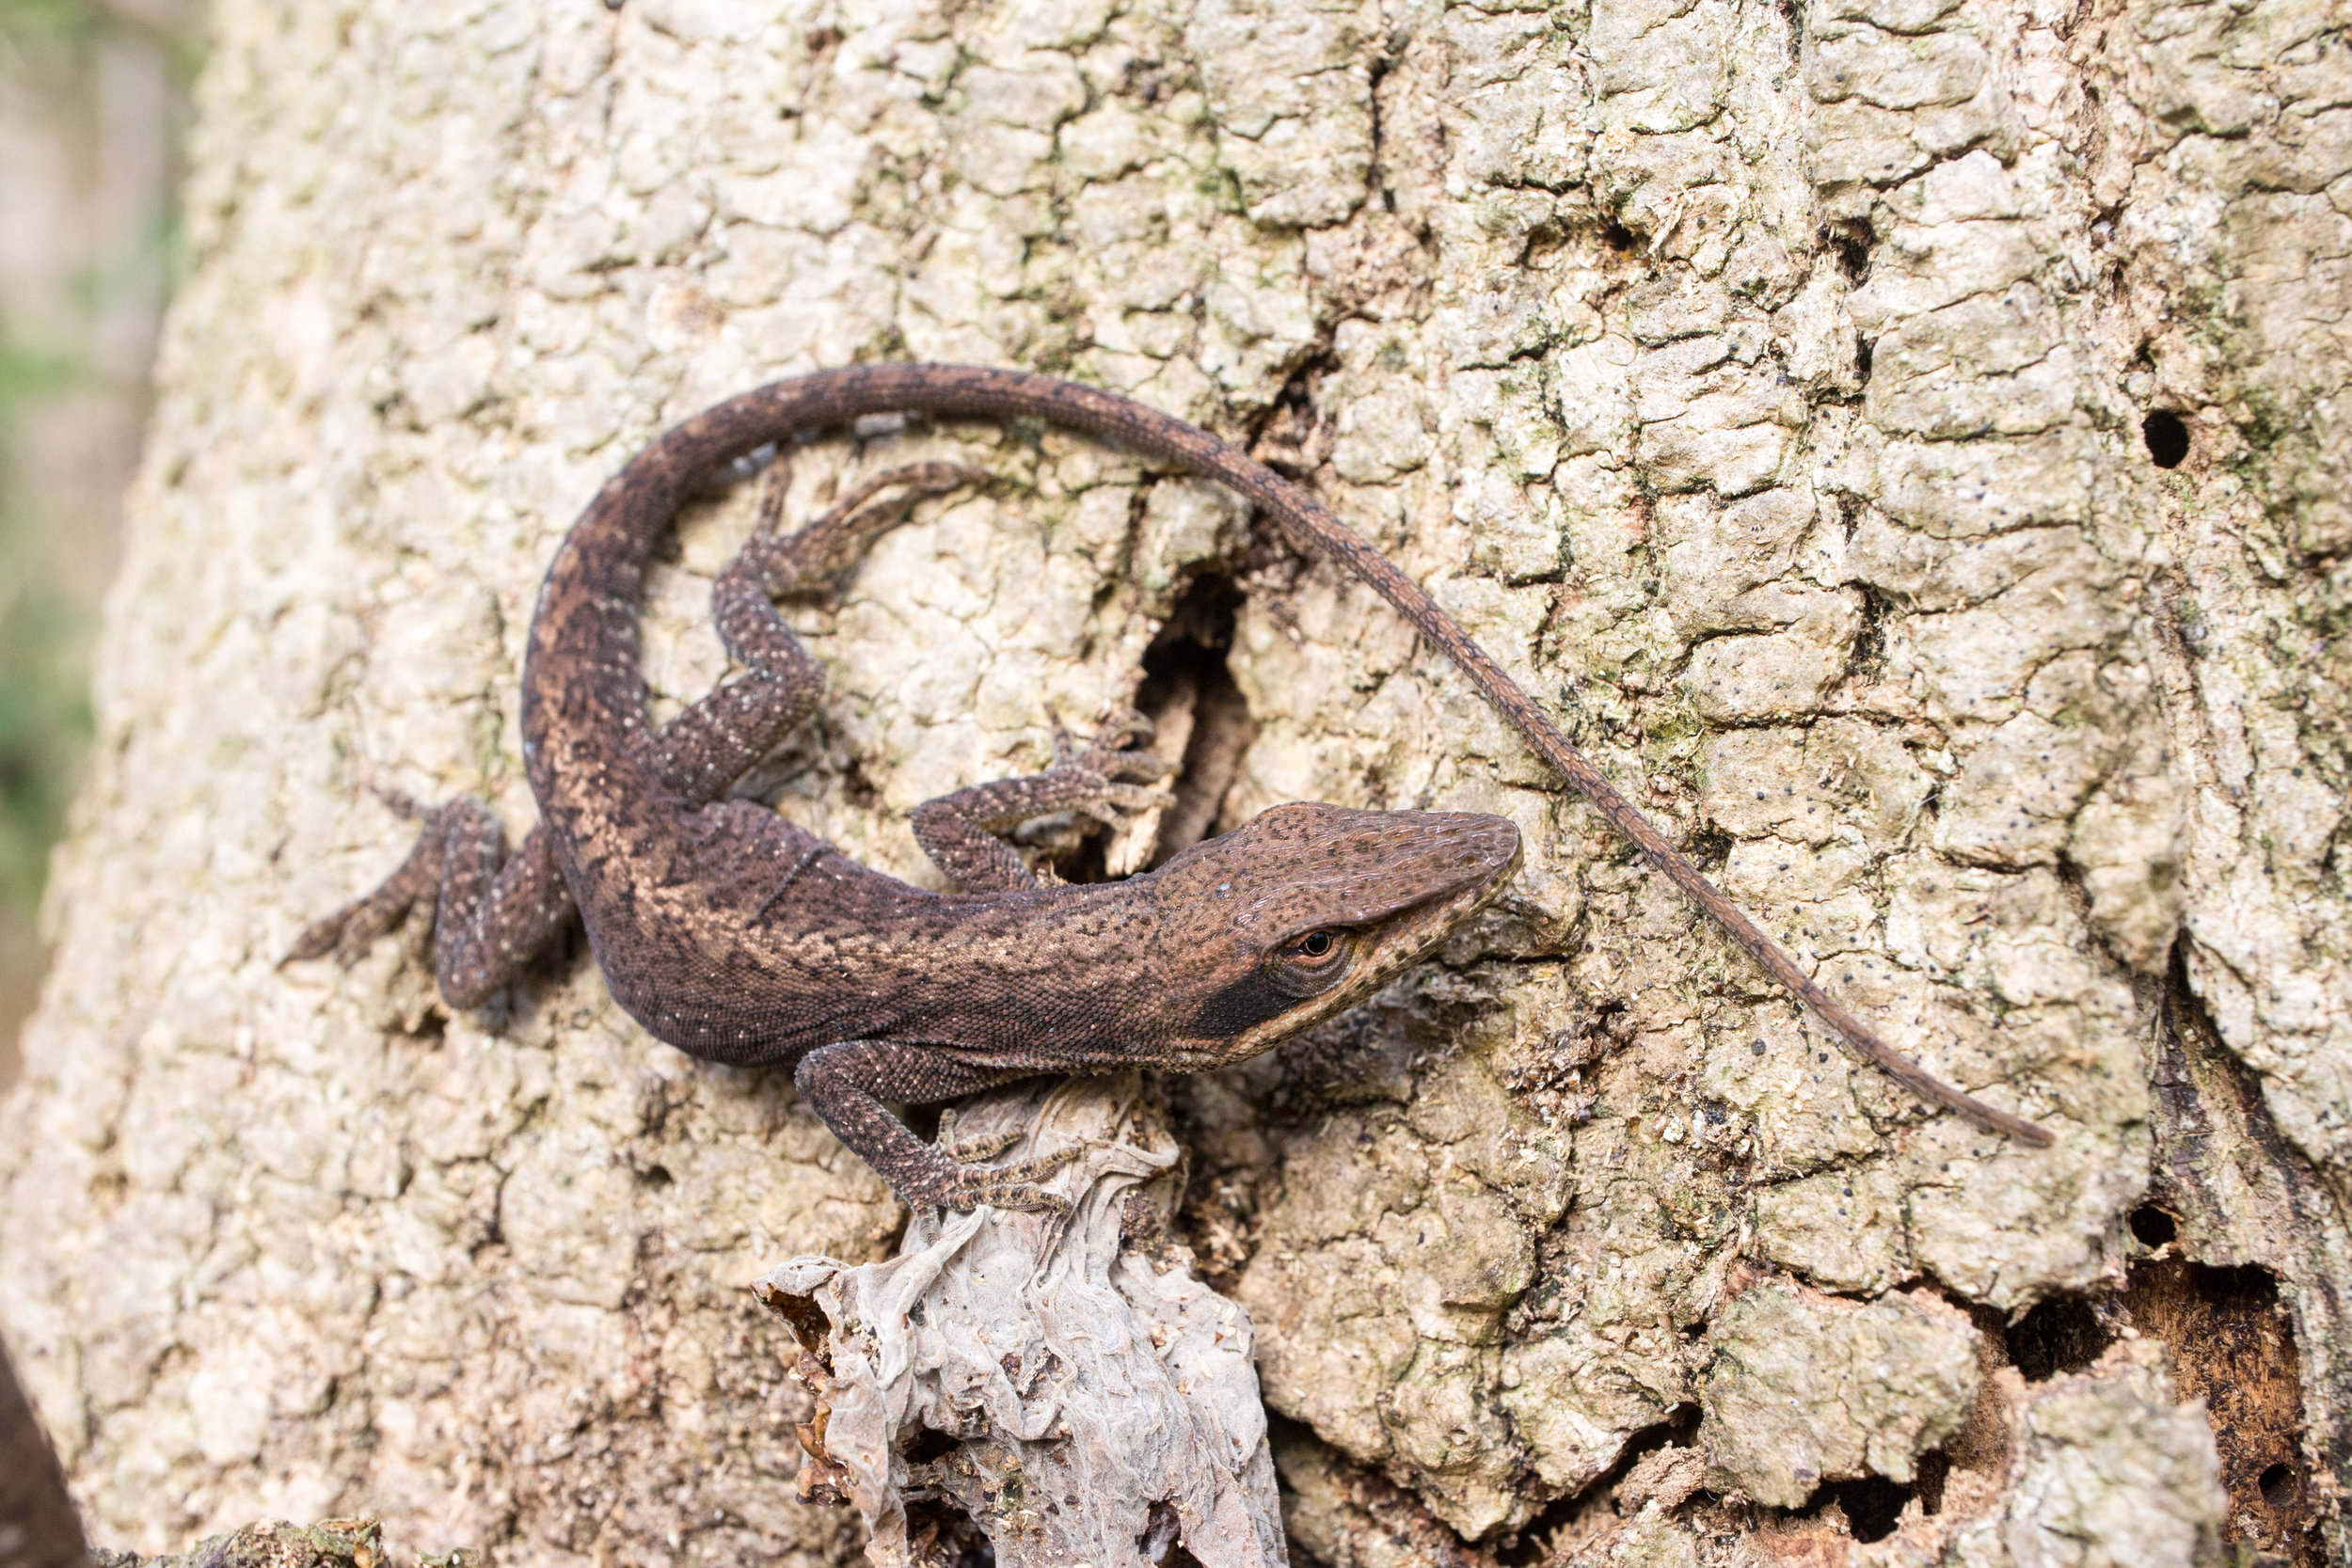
(1905, 439)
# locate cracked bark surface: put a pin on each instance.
(1777, 390)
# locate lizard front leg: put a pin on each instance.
(960, 831)
(846, 1083)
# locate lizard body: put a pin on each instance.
(739, 938)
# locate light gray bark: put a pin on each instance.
(1763, 384)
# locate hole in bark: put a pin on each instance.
(929, 1446)
(2064, 1334)
(1872, 1505)
(856, 788)
(944, 1536)
(2232, 1347)
(1709, 849)
(1151, 81)
(1935, 1468)
(1539, 1542)
(2232, 1343)
(2166, 437)
(1618, 238)
(1869, 659)
(1186, 680)
(1291, 439)
(655, 1177)
(1162, 1540)
(1852, 245)
(2153, 1226)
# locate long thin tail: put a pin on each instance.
(587, 618)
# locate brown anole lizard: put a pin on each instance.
(739, 938)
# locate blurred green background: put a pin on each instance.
(94, 105)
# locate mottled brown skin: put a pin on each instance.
(738, 938)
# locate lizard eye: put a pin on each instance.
(1313, 961)
(1315, 946)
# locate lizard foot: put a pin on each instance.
(350, 931)
(963, 1151)
(828, 547)
(1111, 751)
(1120, 775)
(1008, 1187)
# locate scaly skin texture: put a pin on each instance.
(738, 938)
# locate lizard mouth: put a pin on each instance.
(1410, 933)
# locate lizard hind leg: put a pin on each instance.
(1108, 776)
(489, 919)
(702, 753)
(800, 560)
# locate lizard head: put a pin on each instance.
(1308, 909)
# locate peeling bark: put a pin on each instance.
(1073, 1392)
(1901, 438)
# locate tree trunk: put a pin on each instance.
(1903, 439)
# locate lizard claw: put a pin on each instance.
(350, 931)
(347, 934)
(1125, 728)
(1113, 751)
(400, 803)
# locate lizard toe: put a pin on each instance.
(1015, 1187)
(1125, 728)
(985, 1145)
(1141, 767)
(317, 939)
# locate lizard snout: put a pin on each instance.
(1485, 843)
(1311, 864)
